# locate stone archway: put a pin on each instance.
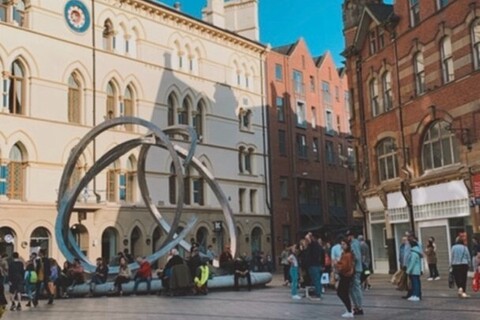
(80, 234)
(7, 240)
(109, 243)
(136, 242)
(40, 239)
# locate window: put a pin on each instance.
(15, 173)
(419, 73)
(241, 199)
(387, 159)
(336, 200)
(340, 153)
(300, 114)
(128, 106)
(16, 88)
(387, 91)
(439, 147)
(314, 118)
(282, 147)
(381, 38)
(19, 13)
(312, 83)
(172, 106)
(131, 178)
(248, 161)
(284, 187)
(316, 153)
(3, 11)
(3, 179)
(476, 43)
(327, 99)
(329, 122)
(301, 146)
(112, 182)
(245, 118)
(122, 186)
(253, 201)
(245, 157)
(298, 85)
(372, 36)
(337, 93)
(278, 72)
(111, 100)
(241, 167)
(329, 153)
(414, 12)
(108, 36)
(172, 185)
(74, 98)
(280, 109)
(197, 117)
(373, 89)
(447, 60)
(442, 3)
(182, 113)
(351, 158)
(198, 195)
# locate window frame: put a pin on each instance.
(446, 55)
(475, 38)
(419, 73)
(433, 143)
(414, 9)
(387, 158)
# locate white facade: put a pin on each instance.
(144, 53)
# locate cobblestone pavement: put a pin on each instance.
(269, 303)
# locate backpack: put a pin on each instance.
(32, 277)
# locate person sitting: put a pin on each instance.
(201, 279)
(100, 275)
(194, 262)
(241, 270)
(144, 274)
(64, 280)
(226, 260)
(76, 273)
(124, 276)
(165, 275)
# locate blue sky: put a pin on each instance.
(282, 22)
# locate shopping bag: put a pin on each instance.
(476, 282)
(325, 278)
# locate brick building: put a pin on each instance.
(413, 71)
(311, 176)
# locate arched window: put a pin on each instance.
(197, 119)
(131, 180)
(198, 188)
(112, 182)
(16, 92)
(202, 239)
(136, 242)
(248, 161)
(19, 13)
(7, 246)
(187, 181)
(16, 173)
(111, 100)
(241, 166)
(373, 88)
(476, 43)
(108, 36)
(256, 240)
(419, 70)
(109, 243)
(40, 239)
(245, 119)
(80, 234)
(172, 185)
(447, 60)
(74, 98)
(156, 237)
(184, 111)
(129, 106)
(387, 159)
(172, 106)
(439, 147)
(387, 91)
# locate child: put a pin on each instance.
(30, 281)
(292, 259)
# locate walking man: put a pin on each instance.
(356, 292)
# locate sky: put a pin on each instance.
(283, 22)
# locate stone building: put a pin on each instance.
(311, 159)
(67, 66)
(413, 73)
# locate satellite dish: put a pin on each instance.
(8, 238)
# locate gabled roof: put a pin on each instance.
(286, 49)
(378, 13)
(318, 60)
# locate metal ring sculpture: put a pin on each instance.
(68, 194)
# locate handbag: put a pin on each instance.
(325, 278)
(451, 279)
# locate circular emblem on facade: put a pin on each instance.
(77, 16)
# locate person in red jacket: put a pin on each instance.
(144, 274)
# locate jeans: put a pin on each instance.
(315, 273)
(140, 279)
(433, 270)
(356, 290)
(342, 291)
(416, 286)
(294, 280)
(29, 287)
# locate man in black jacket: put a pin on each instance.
(315, 257)
(241, 270)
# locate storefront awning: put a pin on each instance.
(396, 200)
(452, 190)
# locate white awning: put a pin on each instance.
(453, 190)
(374, 204)
(396, 200)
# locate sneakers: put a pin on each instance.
(296, 297)
(358, 312)
(347, 315)
(315, 298)
(436, 278)
(413, 298)
(430, 279)
(464, 295)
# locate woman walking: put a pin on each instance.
(460, 260)
(431, 254)
(414, 270)
(292, 259)
(345, 268)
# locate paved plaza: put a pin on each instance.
(269, 303)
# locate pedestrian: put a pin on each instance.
(460, 261)
(293, 260)
(431, 255)
(345, 268)
(356, 292)
(16, 274)
(43, 277)
(335, 255)
(366, 260)
(315, 260)
(285, 264)
(30, 281)
(414, 270)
